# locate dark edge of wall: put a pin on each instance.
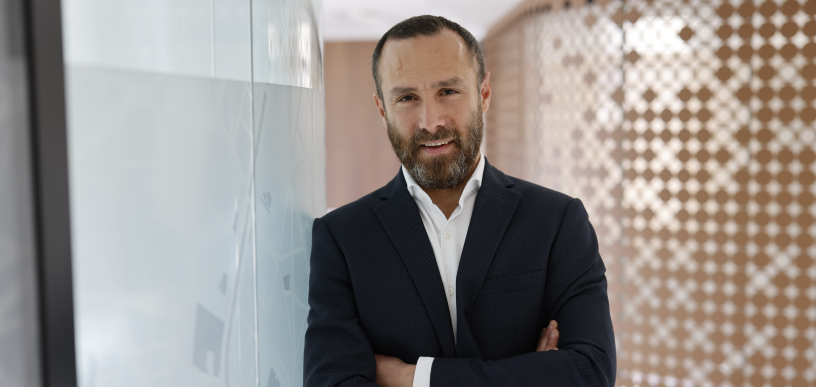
(46, 75)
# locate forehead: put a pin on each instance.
(426, 59)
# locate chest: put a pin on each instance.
(505, 311)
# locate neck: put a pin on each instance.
(448, 199)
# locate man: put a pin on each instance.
(453, 273)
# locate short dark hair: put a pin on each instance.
(426, 25)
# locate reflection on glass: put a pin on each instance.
(194, 183)
(161, 175)
(290, 193)
(287, 46)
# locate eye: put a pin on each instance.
(406, 98)
(448, 91)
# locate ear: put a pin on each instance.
(380, 107)
(485, 92)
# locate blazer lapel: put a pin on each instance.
(492, 212)
(400, 218)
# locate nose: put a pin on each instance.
(431, 116)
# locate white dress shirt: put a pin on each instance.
(447, 237)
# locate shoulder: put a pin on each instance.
(534, 192)
(531, 193)
(543, 201)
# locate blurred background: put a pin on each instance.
(160, 169)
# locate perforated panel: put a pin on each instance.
(686, 320)
(779, 186)
(571, 91)
(687, 128)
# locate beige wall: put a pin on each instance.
(504, 139)
(359, 158)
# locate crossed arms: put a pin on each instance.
(338, 351)
(393, 372)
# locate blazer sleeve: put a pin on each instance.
(575, 296)
(337, 351)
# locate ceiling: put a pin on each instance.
(345, 20)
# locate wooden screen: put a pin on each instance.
(687, 129)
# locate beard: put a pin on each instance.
(445, 171)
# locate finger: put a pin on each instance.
(548, 339)
(544, 338)
(541, 341)
(553, 340)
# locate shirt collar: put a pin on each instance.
(473, 184)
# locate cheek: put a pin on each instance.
(404, 118)
(461, 112)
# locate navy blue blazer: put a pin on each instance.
(530, 256)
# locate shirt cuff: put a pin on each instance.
(422, 374)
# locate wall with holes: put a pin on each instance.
(687, 128)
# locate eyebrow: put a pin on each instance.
(454, 81)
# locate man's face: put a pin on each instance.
(432, 107)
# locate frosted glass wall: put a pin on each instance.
(19, 354)
(197, 163)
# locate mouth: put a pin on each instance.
(437, 144)
(437, 147)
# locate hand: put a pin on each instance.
(393, 372)
(549, 338)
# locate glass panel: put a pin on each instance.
(189, 37)
(290, 193)
(161, 188)
(161, 179)
(287, 43)
(19, 354)
(177, 161)
(289, 178)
